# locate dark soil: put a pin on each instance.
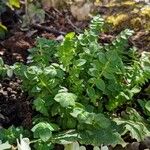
(14, 104)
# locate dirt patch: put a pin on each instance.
(15, 48)
(14, 104)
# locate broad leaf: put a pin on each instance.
(66, 99)
(100, 84)
(135, 124)
(44, 130)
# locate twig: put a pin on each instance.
(40, 27)
(77, 30)
(75, 27)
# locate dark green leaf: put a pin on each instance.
(100, 84)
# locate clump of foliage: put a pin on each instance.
(79, 84)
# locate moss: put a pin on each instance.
(145, 11)
(117, 19)
(127, 14)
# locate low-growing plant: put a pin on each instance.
(79, 84)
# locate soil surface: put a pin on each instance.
(14, 104)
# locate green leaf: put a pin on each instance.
(3, 27)
(40, 106)
(1, 62)
(100, 84)
(91, 92)
(3, 31)
(10, 72)
(67, 50)
(44, 130)
(66, 137)
(86, 117)
(43, 146)
(76, 111)
(147, 106)
(134, 124)
(66, 99)
(111, 55)
(44, 134)
(102, 57)
(51, 71)
(14, 3)
(80, 62)
(71, 123)
(102, 121)
(100, 136)
(70, 35)
(108, 75)
(11, 134)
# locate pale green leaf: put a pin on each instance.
(134, 124)
(66, 99)
(4, 146)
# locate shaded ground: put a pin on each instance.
(14, 104)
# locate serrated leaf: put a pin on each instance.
(66, 99)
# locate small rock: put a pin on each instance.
(81, 13)
(60, 38)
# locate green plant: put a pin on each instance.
(78, 84)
